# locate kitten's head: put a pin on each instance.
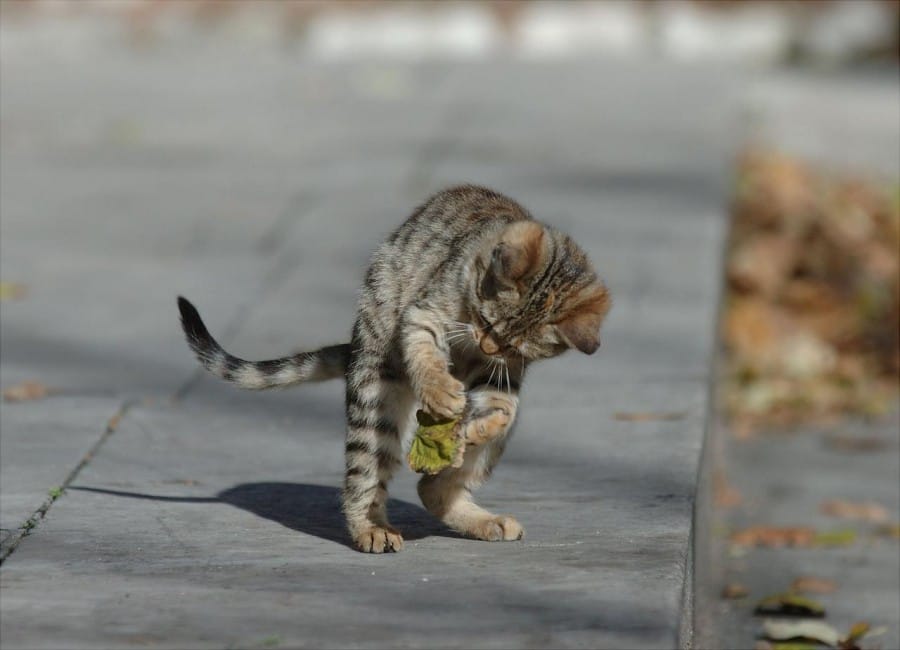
(536, 295)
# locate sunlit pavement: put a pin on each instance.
(257, 186)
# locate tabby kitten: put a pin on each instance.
(456, 304)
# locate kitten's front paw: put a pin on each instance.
(444, 398)
(496, 529)
(377, 539)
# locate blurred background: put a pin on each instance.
(820, 32)
(141, 135)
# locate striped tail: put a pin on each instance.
(327, 363)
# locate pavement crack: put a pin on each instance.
(55, 493)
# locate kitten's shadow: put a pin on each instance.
(315, 510)
(310, 509)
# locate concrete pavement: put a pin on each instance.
(847, 124)
(257, 185)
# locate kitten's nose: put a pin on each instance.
(488, 345)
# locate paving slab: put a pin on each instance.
(219, 506)
(783, 480)
(41, 443)
(211, 520)
(849, 122)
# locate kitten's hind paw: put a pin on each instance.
(487, 427)
(377, 539)
(497, 529)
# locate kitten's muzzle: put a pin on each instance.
(488, 345)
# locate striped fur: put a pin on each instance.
(456, 304)
(327, 363)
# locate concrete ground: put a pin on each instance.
(783, 479)
(197, 516)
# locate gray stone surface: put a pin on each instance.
(37, 453)
(845, 122)
(257, 186)
(783, 481)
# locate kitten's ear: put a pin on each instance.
(581, 327)
(517, 257)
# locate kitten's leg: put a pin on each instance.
(448, 495)
(378, 413)
(427, 363)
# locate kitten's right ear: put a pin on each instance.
(516, 258)
(580, 328)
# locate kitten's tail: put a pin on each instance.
(327, 363)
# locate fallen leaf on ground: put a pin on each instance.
(734, 590)
(812, 302)
(12, 291)
(855, 443)
(818, 631)
(774, 537)
(725, 495)
(813, 585)
(857, 632)
(27, 390)
(889, 530)
(788, 604)
(865, 511)
(649, 417)
(840, 537)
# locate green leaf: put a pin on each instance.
(435, 446)
(841, 537)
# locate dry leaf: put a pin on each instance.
(818, 631)
(864, 511)
(649, 416)
(761, 264)
(813, 585)
(734, 590)
(725, 495)
(857, 632)
(774, 537)
(813, 302)
(889, 530)
(788, 604)
(795, 536)
(12, 291)
(855, 443)
(26, 391)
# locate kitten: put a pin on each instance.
(456, 304)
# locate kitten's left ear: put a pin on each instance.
(517, 257)
(581, 327)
